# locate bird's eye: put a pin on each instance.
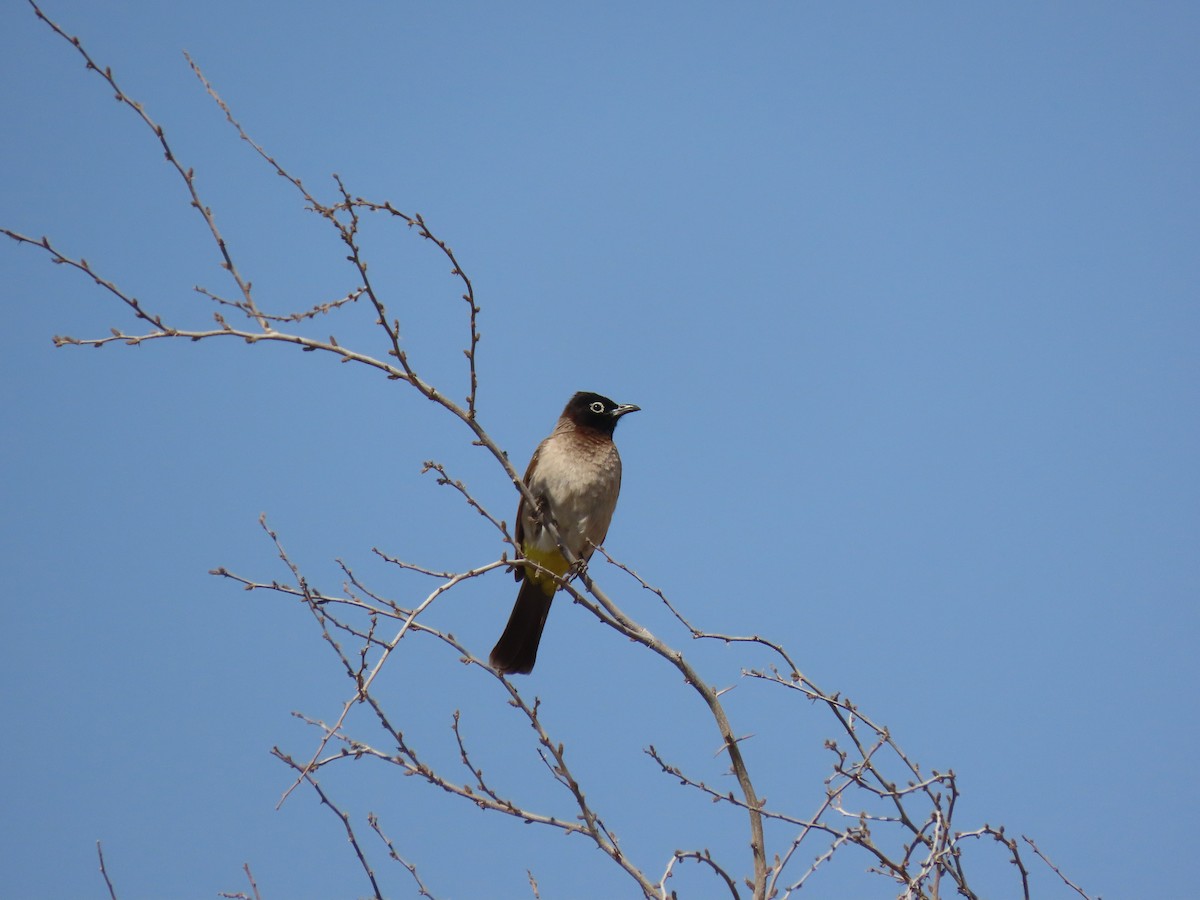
(597, 407)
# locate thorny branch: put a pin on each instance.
(905, 823)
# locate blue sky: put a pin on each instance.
(908, 295)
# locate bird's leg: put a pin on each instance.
(581, 563)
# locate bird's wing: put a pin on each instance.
(519, 530)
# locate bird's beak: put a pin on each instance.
(619, 411)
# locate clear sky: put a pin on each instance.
(909, 295)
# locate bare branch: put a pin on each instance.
(240, 895)
(306, 775)
(412, 869)
(704, 858)
(1057, 871)
(104, 871)
(875, 798)
(313, 602)
(319, 309)
(445, 479)
(187, 175)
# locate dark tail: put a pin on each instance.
(516, 651)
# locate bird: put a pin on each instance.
(575, 477)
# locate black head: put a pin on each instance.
(596, 411)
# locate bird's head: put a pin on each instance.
(596, 411)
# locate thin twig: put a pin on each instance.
(704, 858)
(344, 817)
(104, 871)
(187, 175)
(1057, 871)
(240, 895)
(412, 869)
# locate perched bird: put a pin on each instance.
(575, 476)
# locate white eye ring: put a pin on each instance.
(597, 406)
